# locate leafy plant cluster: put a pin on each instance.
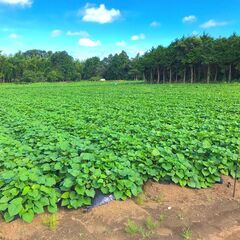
(60, 143)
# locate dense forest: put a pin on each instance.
(189, 59)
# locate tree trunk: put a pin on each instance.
(216, 74)
(208, 74)
(144, 78)
(184, 75)
(192, 74)
(170, 75)
(158, 75)
(151, 76)
(164, 76)
(176, 79)
(199, 73)
(230, 73)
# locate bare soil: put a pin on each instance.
(208, 214)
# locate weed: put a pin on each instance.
(145, 234)
(161, 218)
(50, 221)
(151, 224)
(140, 199)
(186, 233)
(132, 228)
(159, 198)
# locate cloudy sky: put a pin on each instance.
(89, 28)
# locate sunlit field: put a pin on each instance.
(60, 143)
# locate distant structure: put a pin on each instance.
(103, 80)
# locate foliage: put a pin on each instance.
(151, 224)
(191, 59)
(140, 199)
(95, 79)
(60, 143)
(132, 228)
(186, 234)
(50, 221)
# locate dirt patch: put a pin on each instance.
(202, 214)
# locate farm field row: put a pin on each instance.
(60, 143)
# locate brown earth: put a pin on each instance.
(208, 214)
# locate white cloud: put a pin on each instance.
(195, 33)
(154, 24)
(121, 44)
(140, 52)
(17, 2)
(80, 33)
(189, 19)
(87, 42)
(138, 37)
(212, 23)
(100, 14)
(56, 33)
(13, 36)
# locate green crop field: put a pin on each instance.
(59, 143)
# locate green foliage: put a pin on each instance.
(188, 59)
(50, 221)
(151, 224)
(54, 76)
(132, 228)
(60, 143)
(95, 78)
(186, 233)
(140, 199)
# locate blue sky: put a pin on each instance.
(89, 28)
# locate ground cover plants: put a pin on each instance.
(60, 143)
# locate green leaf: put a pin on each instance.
(65, 202)
(8, 217)
(50, 182)
(90, 192)
(205, 172)
(26, 190)
(74, 172)
(65, 195)
(155, 152)
(87, 156)
(80, 190)
(68, 183)
(167, 166)
(58, 166)
(52, 208)
(134, 190)
(192, 184)
(38, 208)
(207, 144)
(3, 206)
(4, 199)
(118, 195)
(182, 182)
(180, 174)
(15, 207)
(28, 216)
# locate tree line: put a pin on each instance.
(188, 59)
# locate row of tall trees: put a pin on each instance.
(189, 59)
(192, 59)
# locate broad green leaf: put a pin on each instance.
(15, 207)
(28, 216)
(155, 152)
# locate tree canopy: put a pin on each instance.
(188, 59)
